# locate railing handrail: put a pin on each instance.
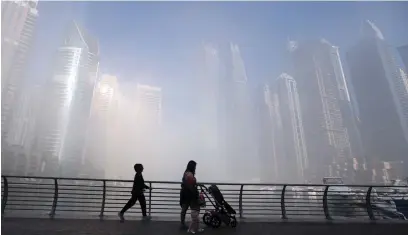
(285, 205)
(207, 183)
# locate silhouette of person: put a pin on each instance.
(189, 198)
(137, 193)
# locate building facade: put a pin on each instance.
(321, 86)
(18, 21)
(101, 126)
(403, 51)
(381, 96)
(241, 152)
(208, 136)
(146, 131)
(67, 109)
(288, 145)
(22, 137)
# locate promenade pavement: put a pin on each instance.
(42, 226)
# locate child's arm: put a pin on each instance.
(144, 185)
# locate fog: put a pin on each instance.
(262, 92)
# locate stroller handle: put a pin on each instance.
(202, 187)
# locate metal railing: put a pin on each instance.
(61, 196)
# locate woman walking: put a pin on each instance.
(189, 198)
(137, 193)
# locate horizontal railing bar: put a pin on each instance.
(82, 189)
(18, 183)
(10, 204)
(39, 192)
(32, 200)
(81, 194)
(119, 187)
(88, 202)
(204, 183)
(261, 206)
(79, 186)
(34, 186)
(170, 189)
(27, 209)
(77, 210)
(80, 206)
(91, 198)
(169, 196)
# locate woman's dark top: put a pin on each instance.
(189, 193)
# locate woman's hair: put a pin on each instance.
(138, 167)
(191, 166)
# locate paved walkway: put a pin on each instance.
(21, 226)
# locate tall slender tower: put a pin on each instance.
(69, 94)
(103, 116)
(289, 151)
(209, 96)
(321, 85)
(240, 149)
(209, 107)
(382, 100)
(18, 21)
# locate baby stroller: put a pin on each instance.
(222, 212)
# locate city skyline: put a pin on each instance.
(205, 105)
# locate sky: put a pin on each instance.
(157, 43)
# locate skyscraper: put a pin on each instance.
(146, 130)
(148, 105)
(69, 94)
(403, 51)
(381, 96)
(240, 145)
(18, 21)
(288, 153)
(21, 138)
(265, 136)
(321, 86)
(209, 94)
(103, 115)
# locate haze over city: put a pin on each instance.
(275, 92)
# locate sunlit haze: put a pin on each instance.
(260, 92)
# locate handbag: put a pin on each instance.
(201, 200)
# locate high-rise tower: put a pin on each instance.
(382, 99)
(18, 21)
(69, 94)
(100, 136)
(322, 88)
(288, 152)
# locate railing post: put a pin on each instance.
(54, 203)
(283, 208)
(368, 203)
(5, 195)
(326, 204)
(103, 199)
(150, 198)
(240, 201)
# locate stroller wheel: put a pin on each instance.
(233, 222)
(207, 219)
(215, 222)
